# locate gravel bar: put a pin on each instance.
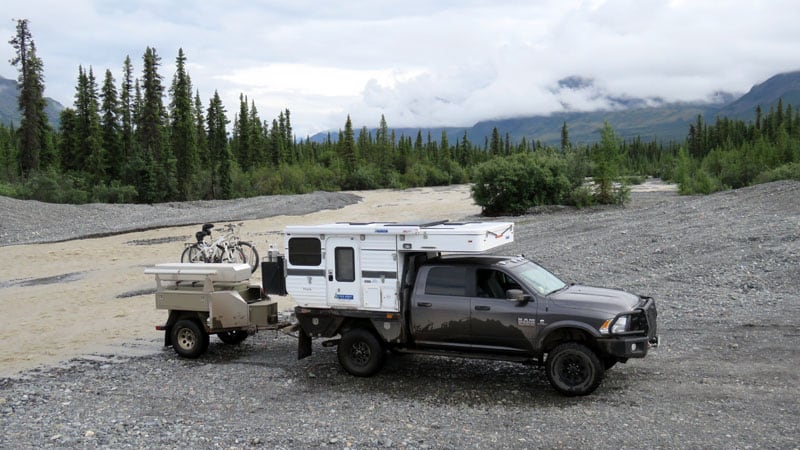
(28, 222)
(723, 268)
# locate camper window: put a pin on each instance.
(345, 264)
(305, 252)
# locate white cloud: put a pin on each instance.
(420, 63)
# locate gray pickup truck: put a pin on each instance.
(492, 307)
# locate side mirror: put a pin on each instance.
(516, 295)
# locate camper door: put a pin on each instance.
(343, 276)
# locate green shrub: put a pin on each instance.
(581, 197)
(789, 171)
(363, 178)
(513, 184)
(115, 193)
(53, 187)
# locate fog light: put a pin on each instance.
(633, 347)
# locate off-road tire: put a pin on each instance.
(188, 338)
(573, 369)
(360, 353)
(232, 337)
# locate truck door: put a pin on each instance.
(497, 323)
(343, 278)
(440, 307)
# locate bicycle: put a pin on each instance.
(227, 248)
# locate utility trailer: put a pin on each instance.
(206, 299)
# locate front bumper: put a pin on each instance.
(627, 347)
(634, 343)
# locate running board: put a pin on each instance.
(528, 360)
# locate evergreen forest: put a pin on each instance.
(143, 139)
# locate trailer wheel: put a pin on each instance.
(232, 337)
(360, 353)
(189, 339)
(573, 369)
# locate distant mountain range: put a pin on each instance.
(9, 109)
(651, 119)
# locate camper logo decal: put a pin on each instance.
(343, 296)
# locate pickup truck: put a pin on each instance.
(376, 288)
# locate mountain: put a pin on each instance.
(784, 86)
(651, 119)
(9, 112)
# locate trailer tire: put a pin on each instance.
(188, 338)
(232, 337)
(573, 369)
(360, 353)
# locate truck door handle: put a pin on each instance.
(424, 304)
(482, 308)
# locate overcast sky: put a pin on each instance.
(420, 62)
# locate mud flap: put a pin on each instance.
(167, 335)
(303, 344)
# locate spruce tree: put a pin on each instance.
(240, 142)
(496, 146)
(182, 129)
(110, 128)
(347, 147)
(150, 120)
(255, 138)
(565, 144)
(200, 127)
(34, 129)
(125, 112)
(221, 182)
(93, 141)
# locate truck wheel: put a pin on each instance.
(360, 353)
(232, 337)
(573, 369)
(189, 339)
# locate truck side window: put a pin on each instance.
(493, 283)
(446, 281)
(305, 252)
(489, 285)
(345, 264)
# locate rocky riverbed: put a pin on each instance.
(723, 268)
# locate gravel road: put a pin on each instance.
(724, 270)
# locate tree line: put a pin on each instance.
(141, 140)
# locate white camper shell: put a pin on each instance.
(359, 265)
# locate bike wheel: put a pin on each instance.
(250, 255)
(193, 254)
(236, 256)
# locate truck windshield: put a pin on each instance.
(538, 278)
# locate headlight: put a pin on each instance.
(619, 327)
